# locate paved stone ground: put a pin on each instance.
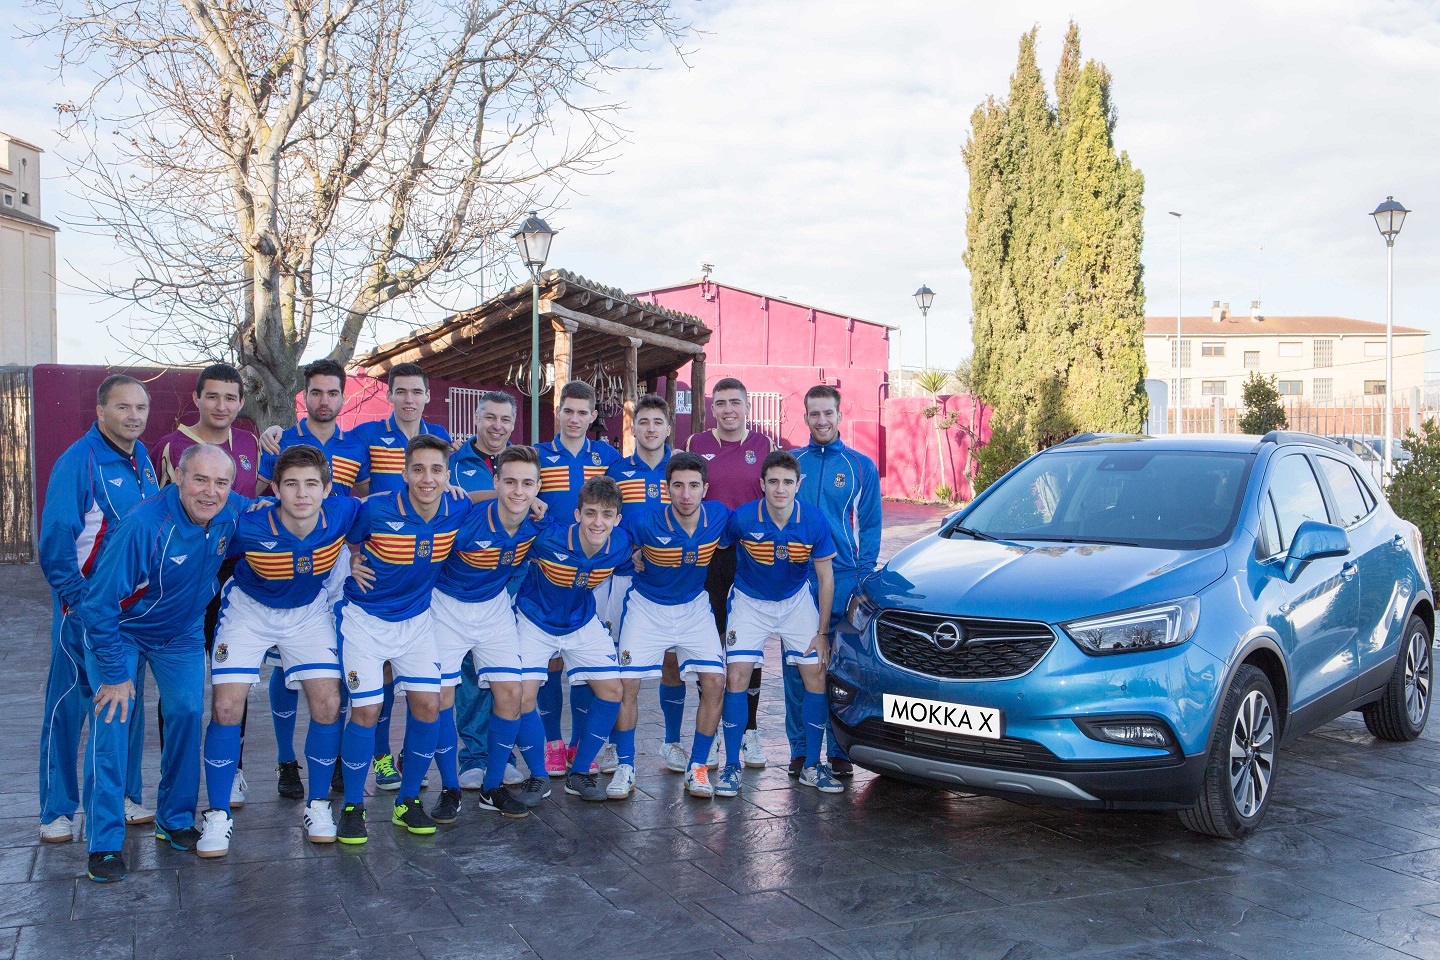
(1348, 865)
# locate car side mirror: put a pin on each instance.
(1314, 541)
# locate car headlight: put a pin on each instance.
(861, 610)
(1144, 628)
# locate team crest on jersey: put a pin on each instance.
(653, 490)
(222, 652)
(244, 462)
(595, 459)
(625, 658)
(782, 552)
(690, 557)
(730, 639)
(749, 456)
(839, 479)
(507, 560)
(149, 476)
(302, 565)
(353, 679)
(423, 548)
(220, 547)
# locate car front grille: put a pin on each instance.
(992, 649)
(1007, 752)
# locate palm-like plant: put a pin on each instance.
(933, 382)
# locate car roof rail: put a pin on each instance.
(1287, 437)
(1086, 437)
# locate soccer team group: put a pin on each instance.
(478, 579)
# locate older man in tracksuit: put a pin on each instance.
(94, 484)
(845, 486)
(146, 600)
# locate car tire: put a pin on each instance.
(1403, 709)
(1240, 768)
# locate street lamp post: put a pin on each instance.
(924, 297)
(1179, 318)
(1389, 217)
(533, 239)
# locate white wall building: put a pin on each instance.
(27, 260)
(1319, 359)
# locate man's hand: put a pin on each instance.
(455, 445)
(112, 695)
(455, 490)
(637, 557)
(821, 645)
(270, 440)
(360, 570)
(538, 508)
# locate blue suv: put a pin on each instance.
(1140, 623)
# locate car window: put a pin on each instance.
(1296, 495)
(1345, 490)
(1365, 491)
(1268, 543)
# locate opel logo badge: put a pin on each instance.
(948, 636)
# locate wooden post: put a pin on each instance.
(672, 392)
(632, 375)
(564, 354)
(697, 394)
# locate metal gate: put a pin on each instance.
(765, 415)
(464, 402)
(17, 456)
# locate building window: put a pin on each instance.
(1324, 353)
(1374, 388)
(1252, 359)
(1187, 353)
(1322, 389)
(1186, 392)
(1212, 349)
(1374, 348)
(9, 200)
(1289, 388)
(1290, 350)
(1212, 388)
(25, 199)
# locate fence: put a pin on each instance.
(1347, 416)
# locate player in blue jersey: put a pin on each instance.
(398, 542)
(555, 616)
(566, 463)
(94, 484)
(147, 599)
(277, 598)
(474, 618)
(668, 608)
(780, 543)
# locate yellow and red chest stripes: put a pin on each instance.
(402, 548)
(767, 553)
(286, 566)
(385, 459)
(344, 470)
(675, 556)
(566, 576)
(553, 479)
(634, 491)
(592, 472)
(489, 558)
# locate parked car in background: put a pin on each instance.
(1371, 452)
(1141, 623)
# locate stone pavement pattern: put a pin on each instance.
(1347, 866)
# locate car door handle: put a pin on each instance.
(1349, 570)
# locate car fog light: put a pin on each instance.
(840, 694)
(1135, 734)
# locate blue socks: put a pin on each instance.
(357, 747)
(283, 704)
(447, 750)
(625, 746)
(548, 703)
(531, 737)
(599, 721)
(732, 719)
(581, 696)
(700, 751)
(812, 711)
(672, 706)
(420, 738)
(382, 726)
(322, 745)
(222, 755)
(502, 742)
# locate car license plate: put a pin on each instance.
(956, 718)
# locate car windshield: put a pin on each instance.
(1167, 499)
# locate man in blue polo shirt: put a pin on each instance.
(147, 599)
(781, 543)
(844, 485)
(94, 484)
(566, 463)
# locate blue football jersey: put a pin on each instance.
(344, 453)
(644, 491)
(676, 563)
(774, 563)
(382, 445)
(284, 571)
(562, 475)
(406, 552)
(556, 594)
(485, 557)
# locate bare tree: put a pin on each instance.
(282, 171)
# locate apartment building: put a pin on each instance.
(27, 260)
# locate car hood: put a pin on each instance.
(1040, 581)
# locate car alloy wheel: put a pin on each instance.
(1403, 708)
(1252, 754)
(1417, 677)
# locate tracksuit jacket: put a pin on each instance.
(845, 486)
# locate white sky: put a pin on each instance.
(812, 150)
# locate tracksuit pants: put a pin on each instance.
(473, 704)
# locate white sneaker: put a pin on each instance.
(319, 822)
(513, 776)
(751, 754)
(697, 781)
(713, 761)
(59, 830)
(622, 784)
(674, 758)
(237, 790)
(215, 829)
(608, 762)
(136, 814)
(472, 779)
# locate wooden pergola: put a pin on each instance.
(583, 325)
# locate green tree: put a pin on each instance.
(1007, 447)
(1414, 491)
(934, 382)
(1263, 412)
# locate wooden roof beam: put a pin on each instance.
(621, 330)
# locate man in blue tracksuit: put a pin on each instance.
(146, 600)
(845, 486)
(93, 486)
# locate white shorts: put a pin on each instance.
(589, 652)
(610, 603)
(367, 643)
(248, 630)
(795, 620)
(649, 629)
(485, 629)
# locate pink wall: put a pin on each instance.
(913, 467)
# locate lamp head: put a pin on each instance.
(924, 297)
(1389, 217)
(533, 241)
